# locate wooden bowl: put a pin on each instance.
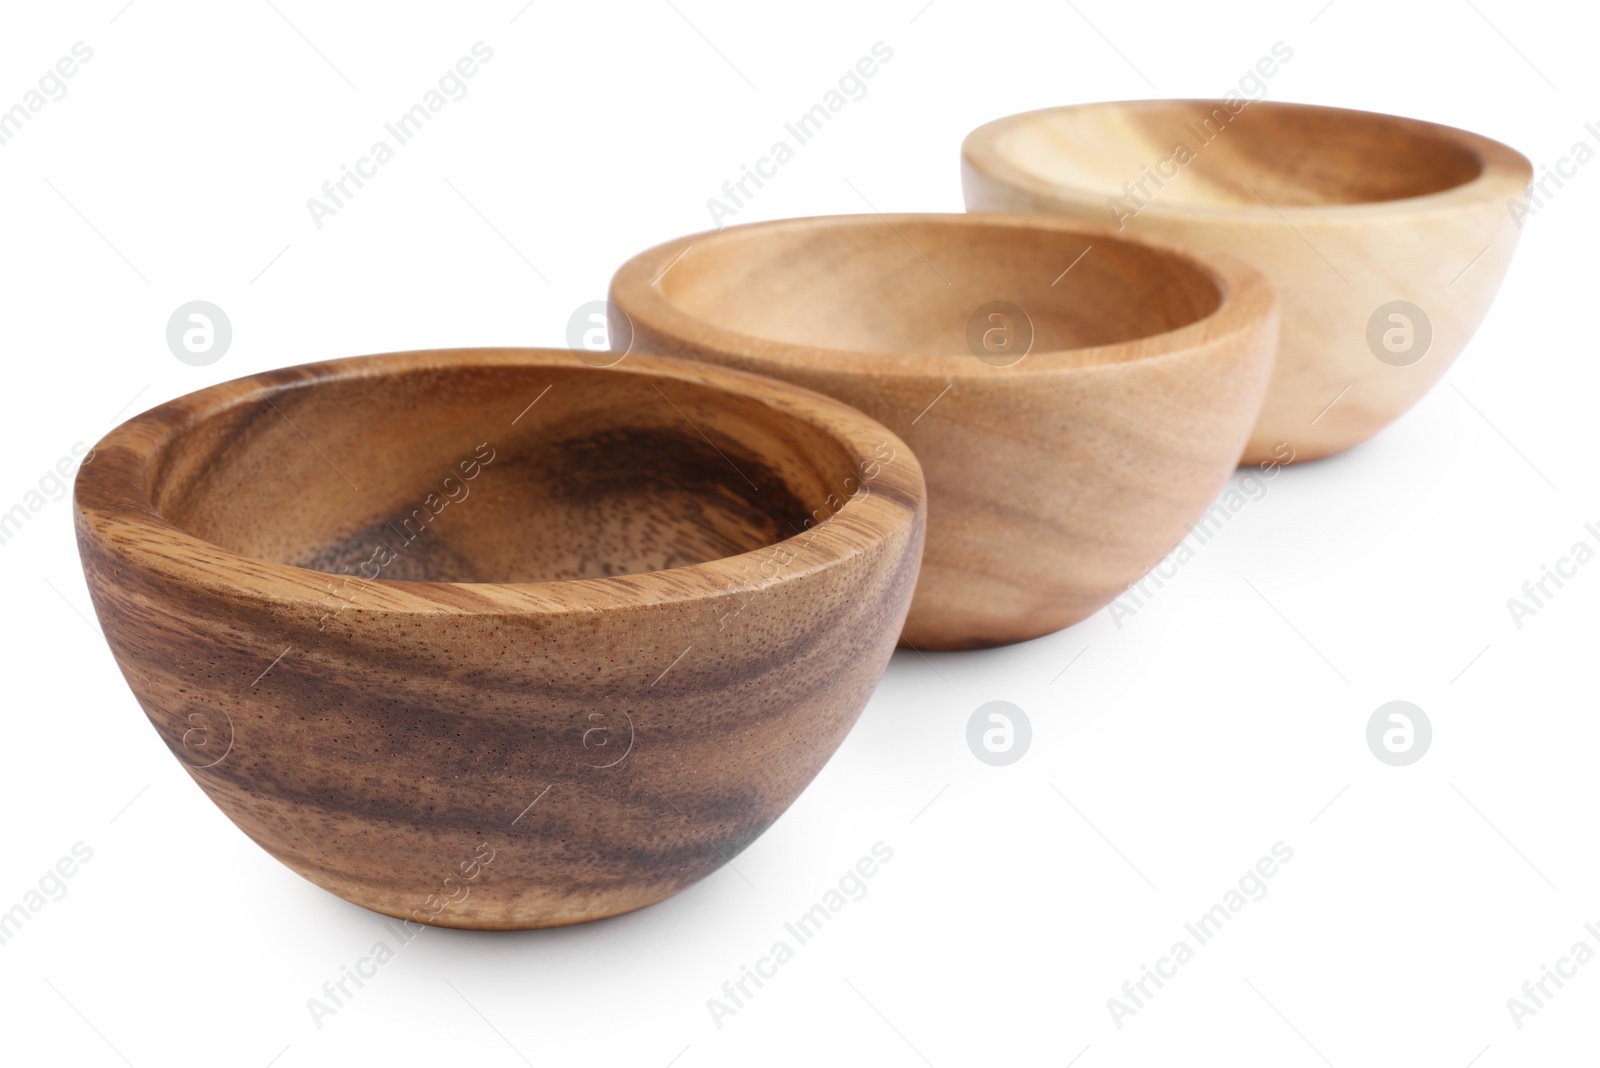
(495, 639)
(1386, 238)
(1059, 469)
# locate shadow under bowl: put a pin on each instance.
(1077, 398)
(492, 638)
(1386, 238)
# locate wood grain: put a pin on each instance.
(1345, 212)
(495, 639)
(1054, 481)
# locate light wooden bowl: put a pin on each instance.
(495, 639)
(1053, 481)
(1386, 238)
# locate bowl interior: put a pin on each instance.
(450, 476)
(1200, 152)
(912, 285)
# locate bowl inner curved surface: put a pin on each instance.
(497, 474)
(913, 286)
(1203, 153)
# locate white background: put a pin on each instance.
(1175, 750)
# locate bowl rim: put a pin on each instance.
(1503, 171)
(114, 514)
(1246, 302)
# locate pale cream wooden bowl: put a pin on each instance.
(1386, 238)
(1058, 472)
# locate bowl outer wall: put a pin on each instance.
(1334, 266)
(380, 755)
(1054, 484)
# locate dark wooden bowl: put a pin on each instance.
(495, 639)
